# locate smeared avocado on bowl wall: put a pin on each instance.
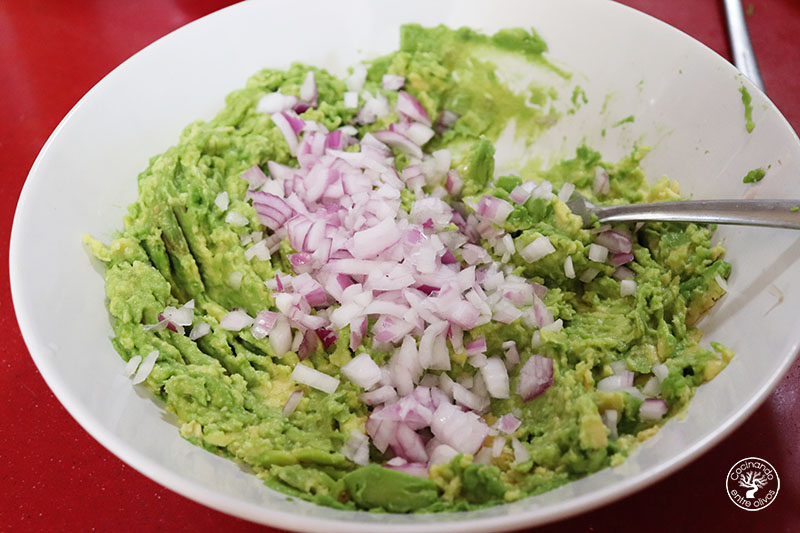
(343, 294)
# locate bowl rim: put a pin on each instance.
(279, 518)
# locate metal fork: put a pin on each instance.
(743, 55)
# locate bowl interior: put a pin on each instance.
(686, 106)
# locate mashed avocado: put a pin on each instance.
(617, 333)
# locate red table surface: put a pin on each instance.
(54, 476)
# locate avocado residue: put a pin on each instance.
(747, 100)
(754, 176)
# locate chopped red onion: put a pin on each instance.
(292, 403)
(236, 219)
(476, 346)
(314, 378)
(521, 453)
(589, 274)
(660, 371)
(598, 253)
(622, 273)
(610, 418)
(494, 209)
(286, 129)
(362, 371)
(399, 141)
(221, 201)
(601, 185)
(569, 269)
(410, 108)
(616, 382)
(199, 330)
(390, 82)
(615, 241)
(145, 367)
(627, 287)
(356, 448)
(280, 336)
(308, 91)
(538, 249)
(495, 376)
(275, 103)
(621, 258)
(132, 365)
(385, 394)
(653, 409)
(535, 377)
(442, 454)
(566, 192)
(236, 320)
(508, 424)
(463, 431)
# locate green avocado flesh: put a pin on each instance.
(228, 388)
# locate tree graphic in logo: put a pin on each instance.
(760, 480)
(753, 480)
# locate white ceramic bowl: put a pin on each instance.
(686, 104)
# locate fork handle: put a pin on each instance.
(771, 213)
(743, 55)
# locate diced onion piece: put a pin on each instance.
(569, 269)
(721, 282)
(535, 377)
(598, 253)
(308, 91)
(538, 249)
(495, 376)
(356, 448)
(653, 409)
(566, 192)
(410, 108)
(627, 287)
(350, 100)
(589, 274)
(146, 367)
(660, 371)
(362, 371)
(521, 453)
(275, 103)
(314, 378)
(132, 365)
(355, 82)
(615, 383)
(221, 201)
(600, 185)
(652, 387)
(508, 424)
(235, 280)
(385, 394)
(497, 446)
(442, 454)
(199, 330)
(463, 431)
(236, 320)
(615, 241)
(610, 418)
(236, 219)
(263, 324)
(292, 403)
(280, 336)
(390, 82)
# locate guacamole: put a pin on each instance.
(330, 283)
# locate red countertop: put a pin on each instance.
(55, 477)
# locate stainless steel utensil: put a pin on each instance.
(743, 55)
(770, 213)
